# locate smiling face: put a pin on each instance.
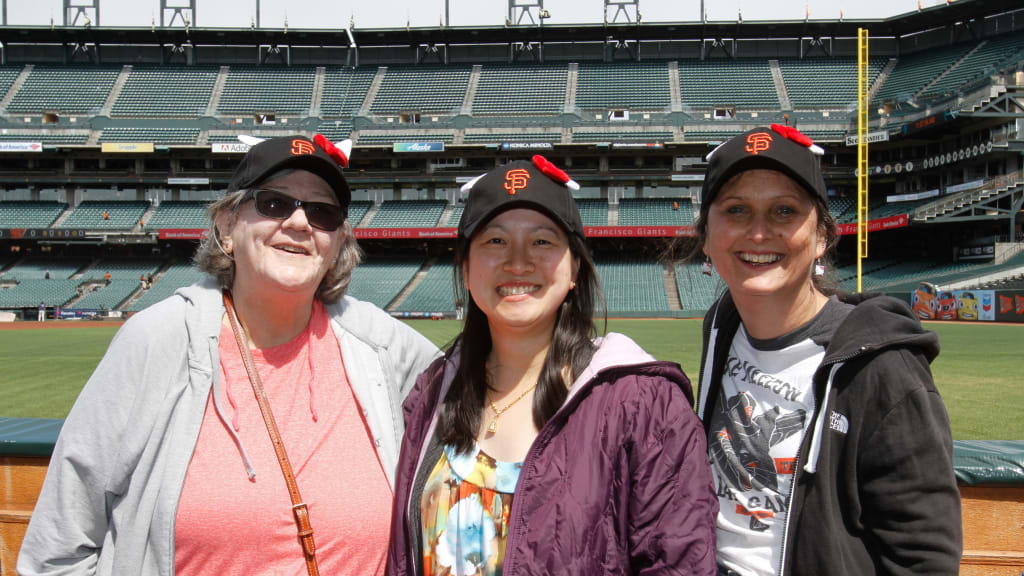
(519, 270)
(763, 235)
(284, 256)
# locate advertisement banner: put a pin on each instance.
(188, 181)
(418, 147)
(898, 221)
(126, 147)
(181, 233)
(638, 231)
(527, 146)
(636, 145)
(65, 314)
(870, 138)
(21, 146)
(229, 148)
(410, 233)
(912, 197)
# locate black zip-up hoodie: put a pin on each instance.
(875, 491)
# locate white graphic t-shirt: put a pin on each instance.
(758, 422)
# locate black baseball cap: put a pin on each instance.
(780, 148)
(296, 152)
(535, 184)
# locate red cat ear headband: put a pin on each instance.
(320, 156)
(536, 184)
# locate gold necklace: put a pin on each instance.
(493, 426)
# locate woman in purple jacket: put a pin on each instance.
(531, 448)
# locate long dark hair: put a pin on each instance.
(571, 347)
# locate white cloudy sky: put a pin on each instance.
(399, 13)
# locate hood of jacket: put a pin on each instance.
(878, 322)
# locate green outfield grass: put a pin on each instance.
(978, 371)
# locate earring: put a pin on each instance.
(705, 268)
(572, 285)
(819, 268)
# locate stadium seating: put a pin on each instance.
(28, 293)
(166, 91)
(64, 89)
(179, 136)
(705, 133)
(176, 276)
(120, 215)
(47, 136)
(741, 82)
(8, 74)
(697, 291)
(435, 293)
(633, 86)
(267, 90)
(456, 215)
(992, 55)
(408, 214)
(344, 91)
(632, 285)
(380, 280)
(497, 137)
(838, 207)
(914, 71)
(544, 83)
(36, 269)
(336, 130)
(179, 214)
(106, 297)
(356, 210)
(655, 212)
(593, 211)
(426, 89)
(825, 82)
(29, 214)
(120, 270)
(622, 136)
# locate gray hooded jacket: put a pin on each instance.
(110, 498)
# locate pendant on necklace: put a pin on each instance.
(493, 427)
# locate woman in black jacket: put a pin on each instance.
(831, 447)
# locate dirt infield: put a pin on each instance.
(58, 324)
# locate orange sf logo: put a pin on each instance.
(758, 142)
(300, 147)
(516, 180)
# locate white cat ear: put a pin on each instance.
(469, 185)
(346, 148)
(250, 140)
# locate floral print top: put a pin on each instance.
(465, 511)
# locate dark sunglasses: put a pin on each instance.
(280, 206)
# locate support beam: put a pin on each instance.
(182, 12)
(81, 12)
(520, 9)
(628, 9)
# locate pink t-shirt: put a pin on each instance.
(227, 524)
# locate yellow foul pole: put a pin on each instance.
(862, 150)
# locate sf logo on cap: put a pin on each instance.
(301, 147)
(758, 142)
(516, 180)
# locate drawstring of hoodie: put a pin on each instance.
(819, 427)
(233, 427)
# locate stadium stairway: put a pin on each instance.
(367, 217)
(115, 90)
(16, 85)
(613, 214)
(881, 78)
(924, 89)
(446, 216)
(134, 297)
(671, 289)
(420, 275)
(218, 91)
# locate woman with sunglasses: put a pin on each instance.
(830, 444)
(530, 447)
(166, 462)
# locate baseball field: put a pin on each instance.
(978, 371)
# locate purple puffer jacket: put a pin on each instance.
(617, 482)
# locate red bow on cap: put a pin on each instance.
(337, 154)
(554, 172)
(798, 137)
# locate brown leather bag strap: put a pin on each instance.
(299, 509)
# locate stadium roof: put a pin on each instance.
(961, 11)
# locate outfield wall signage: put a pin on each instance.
(898, 221)
(404, 233)
(912, 197)
(127, 147)
(42, 233)
(965, 186)
(229, 148)
(527, 146)
(188, 181)
(687, 177)
(418, 147)
(21, 146)
(637, 145)
(870, 138)
(181, 233)
(638, 231)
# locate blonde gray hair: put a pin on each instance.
(214, 260)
